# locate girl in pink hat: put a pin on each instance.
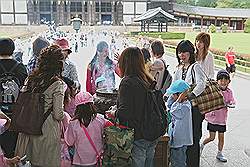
(85, 131)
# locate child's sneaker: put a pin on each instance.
(201, 148)
(221, 158)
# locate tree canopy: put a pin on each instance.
(217, 3)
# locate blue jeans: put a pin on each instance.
(178, 156)
(143, 152)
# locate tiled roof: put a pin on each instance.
(154, 13)
(216, 12)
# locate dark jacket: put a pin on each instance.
(130, 104)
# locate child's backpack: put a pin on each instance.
(28, 112)
(167, 79)
(9, 86)
(154, 122)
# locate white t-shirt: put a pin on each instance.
(208, 65)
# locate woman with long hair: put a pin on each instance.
(191, 72)
(44, 150)
(101, 65)
(131, 102)
(203, 56)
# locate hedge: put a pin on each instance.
(164, 35)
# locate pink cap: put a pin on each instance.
(83, 98)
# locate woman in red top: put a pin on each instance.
(230, 60)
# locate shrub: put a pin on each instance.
(247, 26)
(212, 28)
(224, 27)
(164, 35)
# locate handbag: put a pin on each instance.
(118, 144)
(211, 98)
(98, 156)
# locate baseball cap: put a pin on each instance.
(83, 98)
(63, 43)
(178, 86)
(222, 74)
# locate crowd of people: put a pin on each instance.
(73, 124)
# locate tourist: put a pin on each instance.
(39, 44)
(11, 89)
(230, 61)
(86, 118)
(101, 65)
(180, 128)
(203, 56)
(217, 119)
(69, 70)
(157, 68)
(44, 150)
(131, 102)
(191, 72)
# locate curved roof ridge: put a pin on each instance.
(152, 12)
(206, 11)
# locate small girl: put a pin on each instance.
(217, 119)
(86, 118)
(4, 125)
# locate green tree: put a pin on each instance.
(207, 3)
(186, 2)
(247, 26)
(233, 4)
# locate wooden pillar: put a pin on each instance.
(242, 24)
(141, 26)
(215, 21)
(167, 26)
(229, 23)
(201, 22)
(148, 25)
(187, 18)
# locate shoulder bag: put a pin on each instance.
(211, 98)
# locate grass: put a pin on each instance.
(240, 41)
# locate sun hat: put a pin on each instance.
(83, 98)
(64, 44)
(178, 86)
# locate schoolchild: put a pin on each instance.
(180, 129)
(217, 119)
(86, 118)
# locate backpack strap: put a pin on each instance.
(12, 69)
(98, 157)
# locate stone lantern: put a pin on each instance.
(76, 22)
